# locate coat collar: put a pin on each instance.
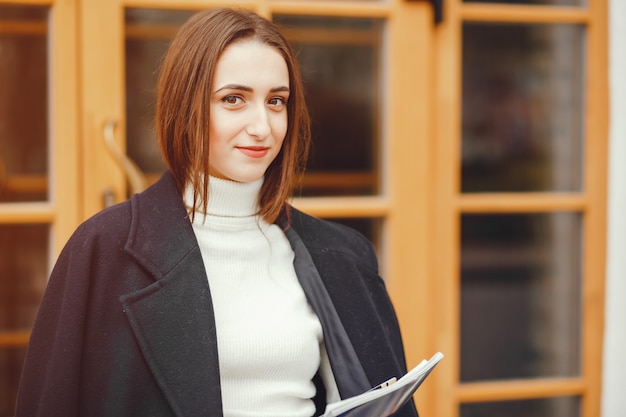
(173, 318)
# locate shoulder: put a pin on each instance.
(102, 236)
(153, 208)
(328, 236)
(111, 223)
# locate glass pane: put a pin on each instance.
(548, 407)
(520, 296)
(340, 60)
(23, 277)
(11, 360)
(148, 33)
(23, 103)
(534, 2)
(23, 274)
(522, 107)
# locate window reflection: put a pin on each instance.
(520, 296)
(522, 108)
(23, 103)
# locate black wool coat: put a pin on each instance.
(126, 326)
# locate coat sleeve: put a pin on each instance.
(50, 380)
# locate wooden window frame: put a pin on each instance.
(61, 210)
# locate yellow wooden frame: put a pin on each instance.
(61, 209)
(450, 204)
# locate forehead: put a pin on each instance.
(251, 61)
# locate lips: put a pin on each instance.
(254, 151)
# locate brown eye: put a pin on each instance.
(232, 100)
(277, 102)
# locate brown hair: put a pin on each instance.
(183, 97)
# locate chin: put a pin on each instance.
(246, 178)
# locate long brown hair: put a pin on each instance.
(183, 97)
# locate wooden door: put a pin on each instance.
(38, 165)
(521, 172)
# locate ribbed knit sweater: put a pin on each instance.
(269, 339)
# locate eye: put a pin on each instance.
(232, 100)
(277, 102)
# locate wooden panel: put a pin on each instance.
(522, 13)
(522, 389)
(595, 180)
(518, 202)
(188, 4)
(22, 213)
(371, 9)
(29, 2)
(64, 132)
(12, 339)
(408, 176)
(344, 206)
(102, 95)
(445, 217)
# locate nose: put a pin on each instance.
(259, 124)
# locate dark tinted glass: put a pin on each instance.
(11, 359)
(23, 103)
(522, 107)
(148, 34)
(548, 407)
(23, 278)
(520, 296)
(340, 60)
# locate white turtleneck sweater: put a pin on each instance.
(269, 340)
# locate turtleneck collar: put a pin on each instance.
(229, 198)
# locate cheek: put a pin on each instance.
(280, 126)
(220, 132)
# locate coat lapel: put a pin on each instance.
(347, 369)
(173, 319)
(358, 296)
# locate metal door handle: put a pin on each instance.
(136, 179)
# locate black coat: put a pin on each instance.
(126, 327)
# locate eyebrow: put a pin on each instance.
(249, 89)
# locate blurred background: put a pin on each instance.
(478, 145)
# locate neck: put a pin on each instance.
(228, 198)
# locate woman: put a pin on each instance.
(207, 294)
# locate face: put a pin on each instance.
(248, 119)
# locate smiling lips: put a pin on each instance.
(254, 151)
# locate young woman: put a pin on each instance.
(207, 294)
